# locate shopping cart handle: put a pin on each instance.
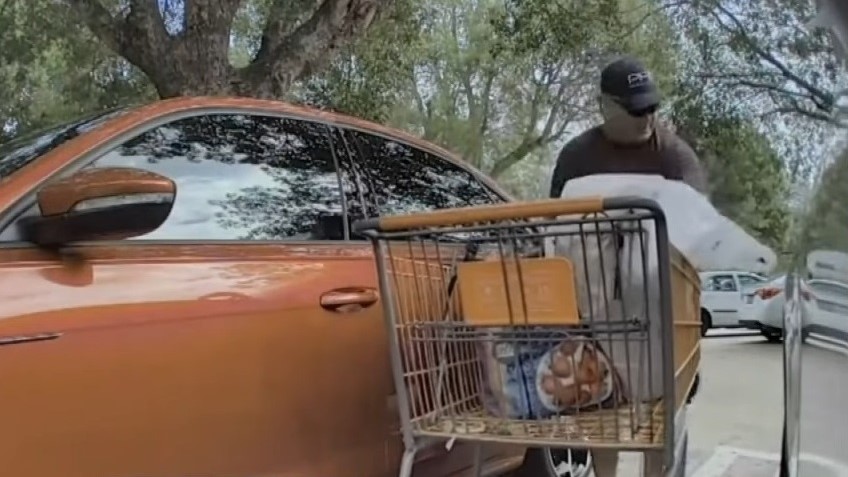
(483, 214)
(537, 209)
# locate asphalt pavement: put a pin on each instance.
(736, 420)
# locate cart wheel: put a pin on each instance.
(556, 463)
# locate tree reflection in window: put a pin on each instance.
(402, 179)
(239, 177)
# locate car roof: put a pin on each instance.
(30, 175)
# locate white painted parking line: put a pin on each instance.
(720, 463)
(717, 464)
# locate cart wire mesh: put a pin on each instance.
(532, 330)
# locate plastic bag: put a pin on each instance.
(706, 238)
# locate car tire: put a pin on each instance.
(706, 322)
(772, 336)
(553, 463)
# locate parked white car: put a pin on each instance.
(728, 299)
(824, 298)
(825, 309)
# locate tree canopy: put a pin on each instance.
(504, 83)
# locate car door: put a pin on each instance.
(830, 309)
(394, 176)
(240, 338)
(722, 298)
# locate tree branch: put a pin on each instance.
(282, 60)
(100, 22)
(140, 36)
(527, 146)
(823, 99)
(653, 11)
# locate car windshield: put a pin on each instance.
(20, 151)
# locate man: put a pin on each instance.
(630, 140)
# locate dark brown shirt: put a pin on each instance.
(664, 154)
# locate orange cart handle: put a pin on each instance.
(484, 213)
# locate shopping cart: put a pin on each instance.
(555, 323)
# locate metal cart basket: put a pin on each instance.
(554, 323)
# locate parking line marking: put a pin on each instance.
(723, 457)
(716, 464)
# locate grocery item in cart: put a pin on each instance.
(533, 371)
(545, 376)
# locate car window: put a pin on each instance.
(721, 283)
(747, 281)
(240, 177)
(398, 178)
(20, 151)
(829, 289)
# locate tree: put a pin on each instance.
(825, 223)
(489, 80)
(184, 48)
(765, 54)
(51, 72)
(747, 178)
(369, 78)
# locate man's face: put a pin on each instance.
(623, 126)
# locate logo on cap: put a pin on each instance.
(634, 80)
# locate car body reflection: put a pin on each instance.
(816, 372)
(816, 369)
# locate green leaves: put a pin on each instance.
(51, 70)
(748, 180)
(825, 223)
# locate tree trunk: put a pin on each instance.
(195, 62)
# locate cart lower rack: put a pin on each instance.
(556, 323)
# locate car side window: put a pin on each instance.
(721, 283)
(746, 280)
(829, 289)
(241, 177)
(399, 178)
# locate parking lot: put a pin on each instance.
(736, 420)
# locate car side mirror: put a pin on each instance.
(100, 204)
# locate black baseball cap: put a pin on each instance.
(630, 83)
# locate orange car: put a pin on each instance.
(180, 294)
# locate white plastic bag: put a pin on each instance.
(616, 270)
(613, 287)
(709, 240)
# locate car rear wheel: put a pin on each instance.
(772, 336)
(556, 463)
(706, 322)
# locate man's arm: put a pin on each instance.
(565, 169)
(691, 170)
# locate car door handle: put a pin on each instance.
(346, 300)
